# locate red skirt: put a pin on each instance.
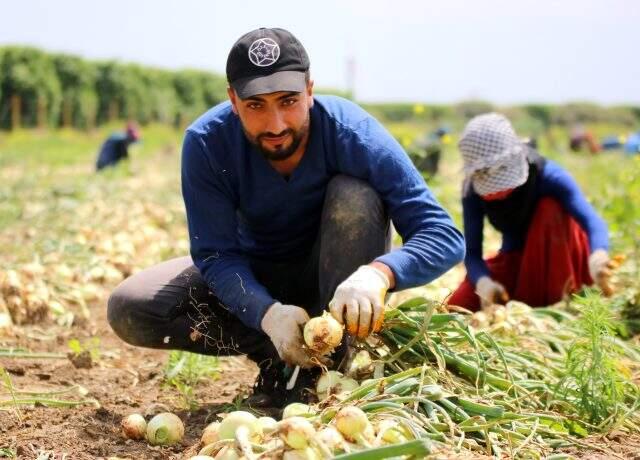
(553, 263)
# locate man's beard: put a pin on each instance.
(281, 153)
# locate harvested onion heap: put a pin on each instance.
(242, 435)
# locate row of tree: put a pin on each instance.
(542, 114)
(39, 88)
(49, 89)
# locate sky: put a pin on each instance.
(503, 51)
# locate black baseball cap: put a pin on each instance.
(266, 61)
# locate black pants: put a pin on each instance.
(169, 306)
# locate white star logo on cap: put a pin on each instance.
(264, 52)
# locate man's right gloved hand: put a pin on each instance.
(283, 324)
(491, 292)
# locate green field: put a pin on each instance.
(70, 235)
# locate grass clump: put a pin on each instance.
(184, 371)
(596, 380)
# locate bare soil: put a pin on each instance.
(123, 380)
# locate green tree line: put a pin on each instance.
(544, 115)
(55, 90)
(39, 88)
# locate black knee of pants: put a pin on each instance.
(118, 317)
(355, 229)
(169, 306)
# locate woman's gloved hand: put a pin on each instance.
(491, 292)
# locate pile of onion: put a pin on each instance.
(241, 427)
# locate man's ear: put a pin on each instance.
(310, 92)
(233, 98)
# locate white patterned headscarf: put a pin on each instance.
(495, 159)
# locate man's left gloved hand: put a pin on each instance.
(600, 270)
(360, 301)
(283, 324)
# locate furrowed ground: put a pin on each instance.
(70, 235)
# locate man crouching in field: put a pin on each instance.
(289, 199)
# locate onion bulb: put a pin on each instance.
(297, 432)
(301, 454)
(227, 453)
(165, 429)
(368, 436)
(480, 320)
(361, 365)
(297, 410)
(391, 432)
(322, 334)
(499, 314)
(333, 382)
(352, 423)
(201, 457)
(243, 427)
(210, 433)
(235, 420)
(134, 426)
(268, 424)
(330, 438)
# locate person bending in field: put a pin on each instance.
(289, 198)
(116, 147)
(553, 241)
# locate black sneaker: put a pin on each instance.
(270, 392)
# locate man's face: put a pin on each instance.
(276, 123)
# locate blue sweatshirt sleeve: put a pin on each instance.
(431, 242)
(558, 183)
(212, 222)
(473, 218)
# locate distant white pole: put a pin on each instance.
(351, 76)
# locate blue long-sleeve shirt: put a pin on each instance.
(554, 182)
(239, 207)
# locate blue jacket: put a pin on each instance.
(114, 149)
(238, 207)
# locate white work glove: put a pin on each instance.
(600, 270)
(360, 300)
(283, 324)
(490, 292)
